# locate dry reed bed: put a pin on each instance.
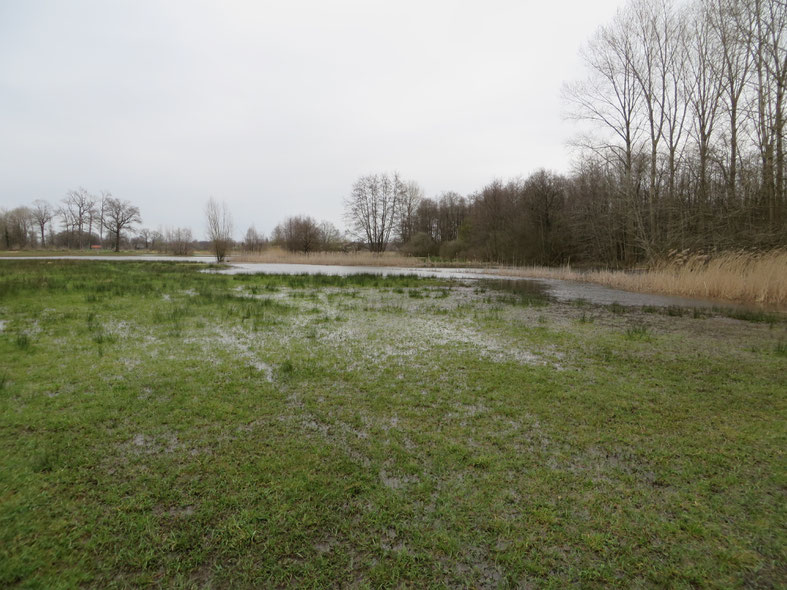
(744, 277)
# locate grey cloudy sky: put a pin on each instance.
(277, 107)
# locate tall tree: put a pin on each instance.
(119, 216)
(372, 208)
(219, 226)
(42, 215)
(78, 206)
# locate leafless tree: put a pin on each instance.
(725, 18)
(119, 216)
(299, 233)
(42, 215)
(178, 240)
(372, 209)
(219, 225)
(100, 209)
(254, 241)
(330, 237)
(412, 197)
(78, 207)
(146, 235)
(610, 99)
(17, 228)
(705, 100)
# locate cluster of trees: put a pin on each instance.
(684, 105)
(685, 150)
(687, 104)
(301, 233)
(519, 221)
(83, 219)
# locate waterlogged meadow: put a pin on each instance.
(166, 427)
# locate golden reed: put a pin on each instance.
(743, 277)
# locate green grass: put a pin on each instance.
(164, 427)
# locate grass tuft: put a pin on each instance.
(638, 332)
(22, 341)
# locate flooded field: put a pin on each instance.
(163, 426)
(560, 290)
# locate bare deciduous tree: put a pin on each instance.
(118, 216)
(253, 241)
(78, 207)
(372, 208)
(299, 233)
(42, 215)
(146, 235)
(219, 225)
(413, 195)
(178, 240)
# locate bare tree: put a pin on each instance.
(299, 233)
(724, 18)
(118, 216)
(178, 240)
(78, 207)
(219, 222)
(611, 99)
(17, 228)
(372, 208)
(412, 197)
(330, 237)
(146, 235)
(100, 209)
(254, 241)
(705, 99)
(42, 215)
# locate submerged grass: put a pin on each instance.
(172, 428)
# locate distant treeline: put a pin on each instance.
(684, 150)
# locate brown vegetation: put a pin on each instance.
(743, 277)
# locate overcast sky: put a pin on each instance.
(277, 107)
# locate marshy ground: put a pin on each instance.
(165, 427)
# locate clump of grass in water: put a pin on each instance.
(22, 341)
(780, 348)
(638, 332)
(586, 319)
(616, 308)
(286, 369)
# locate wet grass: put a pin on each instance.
(164, 427)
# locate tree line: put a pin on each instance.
(683, 106)
(83, 219)
(686, 141)
(683, 111)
